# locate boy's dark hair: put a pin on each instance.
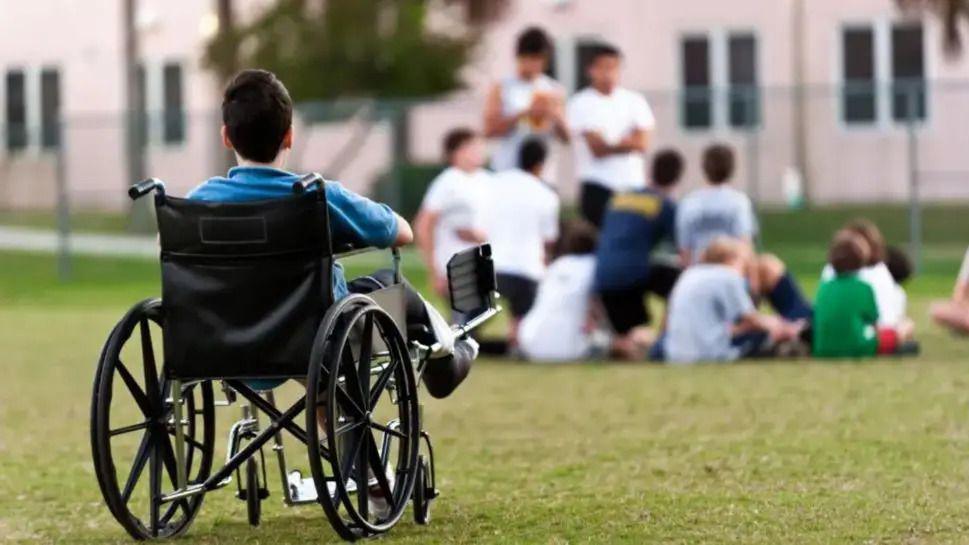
(533, 41)
(848, 252)
(455, 138)
(898, 264)
(531, 154)
(872, 235)
(257, 113)
(667, 168)
(603, 50)
(718, 163)
(579, 237)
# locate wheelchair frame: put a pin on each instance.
(173, 412)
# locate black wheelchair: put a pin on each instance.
(247, 297)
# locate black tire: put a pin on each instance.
(149, 397)
(423, 491)
(253, 501)
(340, 373)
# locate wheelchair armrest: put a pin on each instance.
(349, 250)
(471, 281)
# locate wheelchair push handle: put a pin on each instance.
(310, 181)
(145, 187)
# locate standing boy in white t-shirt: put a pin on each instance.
(449, 219)
(613, 126)
(528, 104)
(521, 221)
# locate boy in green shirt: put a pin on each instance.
(845, 312)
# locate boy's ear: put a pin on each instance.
(225, 139)
(288, 139)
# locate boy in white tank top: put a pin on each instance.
(528, 104)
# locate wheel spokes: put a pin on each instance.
(148, 360)
(348, 427)
(128, 429)
(137, 467)
(154, 469)
(363, 477)
(381, 383)
(356, 393)
(134, 389)
(380, 472)
(386, 429)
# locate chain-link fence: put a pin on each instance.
(816, 146)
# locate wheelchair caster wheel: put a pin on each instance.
(253, 499)
(423, 493)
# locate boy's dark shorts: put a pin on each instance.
(518, 292)
(626, 308)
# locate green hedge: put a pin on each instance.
(412, 181)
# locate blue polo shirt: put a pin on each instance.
(633, 225)
(354, 219)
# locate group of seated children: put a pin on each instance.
(591, 301)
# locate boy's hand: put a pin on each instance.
(472, 235)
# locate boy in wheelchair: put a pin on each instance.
(257, 126)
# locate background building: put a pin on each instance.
(823, 88)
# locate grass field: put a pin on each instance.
(776, 452)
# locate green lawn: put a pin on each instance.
(777, 452)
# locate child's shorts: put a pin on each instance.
(887, 341)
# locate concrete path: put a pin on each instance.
(46, 241)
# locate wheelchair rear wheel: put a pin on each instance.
(362, 391)
(133, 428)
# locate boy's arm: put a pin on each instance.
(495, 123)
(778, 328)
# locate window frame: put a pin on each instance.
(882, 36)
(22, 146)
(757, 87)
(684, 90)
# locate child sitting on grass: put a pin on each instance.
(711, 315)
(845, 312)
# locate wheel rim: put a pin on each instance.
(133, 430)
(372, 388)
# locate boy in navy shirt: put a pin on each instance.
(257, 115)
(635, 223)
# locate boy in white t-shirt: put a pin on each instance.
(527, 104)
(449, 219)
(613, 125)
(521, 221)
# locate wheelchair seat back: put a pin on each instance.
(244, 285)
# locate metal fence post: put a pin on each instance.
(64, 266)
(914, 205)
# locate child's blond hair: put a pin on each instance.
(722, 250)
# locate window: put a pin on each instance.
(908, 72)
(697, 105)
(173, 108)
(743, 95)
(584, 50)
(16, 110)
(859, 96)
(50, 108)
